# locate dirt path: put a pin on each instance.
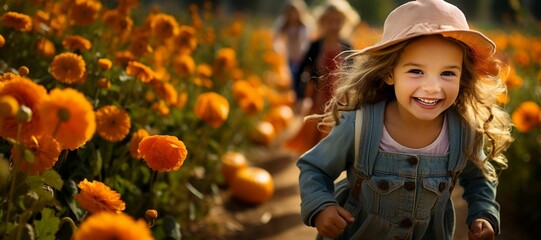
(279, 218)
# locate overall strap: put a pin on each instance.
(459, 138)
(367, 138)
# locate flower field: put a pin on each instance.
(114, 118)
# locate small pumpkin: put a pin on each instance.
(252, 185)
(232, 162)
(262, 133)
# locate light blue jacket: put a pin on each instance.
(402, 196)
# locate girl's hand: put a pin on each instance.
(481, 229)
(332, 221)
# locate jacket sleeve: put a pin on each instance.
(480, 193)
(322, 164)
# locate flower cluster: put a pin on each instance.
(89, 89)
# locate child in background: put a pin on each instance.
(293, 31)
(412, 115)
(315, 80)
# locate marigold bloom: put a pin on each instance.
(18, 21)
(140, 46)
(184, 65)
(104, 83)
(161, 108)
(95, 197)
(212, 108)
(24, 71)
(107, 225)
(186, 40)
(140, 71)
(45, 47)
(68, 117)
(75, 42)
(84, 12)
(135, 140)
(225, 59)
(8, 106)
(163, 153)
(526, 116)
(113, 123)
(45, 150)
(124, 57)
(164, 26)
(2, 41)
(29, 94)
(68, 68)
(204, 70)
(252, 103)
(167, 92)
(182, 100)
(104, 64)
(8, 76)
(120, 23)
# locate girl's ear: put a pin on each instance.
(389, 79)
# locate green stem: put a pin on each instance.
(153, 178)
(71, 223)
(15, 171)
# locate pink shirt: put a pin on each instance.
(440, 146)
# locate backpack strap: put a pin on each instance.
(459, 138)
(359, 177)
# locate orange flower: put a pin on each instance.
(84, 12)
(104, 63)
(75, 42)
(513, 80)
(8, 76)
(164, 26)
(45, 151)
(161, 108)
(182, 99)
(8, 106)
(68, 117)
(204, 71)
(125, 5)
(104, 83)
(96, 197)
(186, 40)
(2, 41)
(521, 57)
(18, 21)
(167, 92)
(140, 46)
(106, 225)
(135, 140)
(68, 68)
(252, 103)
(225, 59)
(24, 71)
(140, 71)
(526, 116)
(124, 57)
(45, 47)
(212, 108)
(163, 153)
(184, 65)
(113, 123)
(29, 94)
(120, 23)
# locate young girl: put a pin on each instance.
(293, 33)
(313, 83)
(415, 113)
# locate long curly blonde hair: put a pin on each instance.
(361, 82)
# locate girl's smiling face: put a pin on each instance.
(427, 77)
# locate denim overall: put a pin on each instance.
(391, 195)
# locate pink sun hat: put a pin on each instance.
(429, 17)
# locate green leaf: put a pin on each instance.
(53, 179)
(171, 228)
(47, 226)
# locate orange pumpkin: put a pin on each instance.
(262, 133)
(252, 185)
(280, 117)
(231, 163)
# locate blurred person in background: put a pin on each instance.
(314, 81)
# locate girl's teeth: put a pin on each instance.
(427, 101)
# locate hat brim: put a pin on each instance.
(481, 45)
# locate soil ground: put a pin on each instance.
(279, 218)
